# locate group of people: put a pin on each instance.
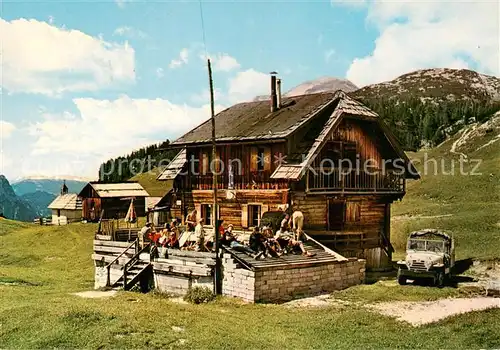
(168, 236)
(262, 242)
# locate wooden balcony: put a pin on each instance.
(259, 180)
(336, 180)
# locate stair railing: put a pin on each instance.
(386, 244)
(134, 244)
(131, 262)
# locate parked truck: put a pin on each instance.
(429, 254)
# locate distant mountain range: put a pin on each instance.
(28, 198)
(13, 207)
(52, 186)
(39, 201)
(428, 84)
(438, 84)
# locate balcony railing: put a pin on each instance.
(342, 180)
(252, 180)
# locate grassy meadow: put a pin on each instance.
(40, 268)
(466, 206)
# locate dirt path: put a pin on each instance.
(461, 140)
(93, 294)
(420, 313)
(418, 216)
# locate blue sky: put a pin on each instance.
(85, 81)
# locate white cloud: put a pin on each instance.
(129, 32)
(107, 128)
(183, 59)
(6, 129)
(416, 35)
(160, 73)
(221, 62)
(329, 54)
(41, 58)
(247, 84)
(225, 63)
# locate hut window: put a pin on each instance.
(206, 214)
(58, 212)
(336, 215)
(260, 159)
(254, 213)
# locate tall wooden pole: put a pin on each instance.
(215, 223)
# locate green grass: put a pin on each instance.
(41, 312)
(151, 185)
(472, 200)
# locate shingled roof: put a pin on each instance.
(346, 106)
(254, 120)
(68, 201)
(116, 190)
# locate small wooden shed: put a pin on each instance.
(113, 198)
(66, 208)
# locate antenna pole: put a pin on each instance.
(215, 223)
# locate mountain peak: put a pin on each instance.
(321, 84)
(437, 84)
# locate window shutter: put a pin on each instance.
(244, 215)
(253, 159)
(267, 159)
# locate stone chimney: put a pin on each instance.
(278, 92)
(274, 97)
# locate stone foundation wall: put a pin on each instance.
(179, 284)
(101, 275)
(287, 283)
(237, 281)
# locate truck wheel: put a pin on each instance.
(439, 279)
(401, 279)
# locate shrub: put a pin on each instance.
(199, 294)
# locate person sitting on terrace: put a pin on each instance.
(144, 234)
(272, 246)
(286, 240)
(257, 241)
(230, 240)
(285, 223)
(199, 233)
(175, 229)
(172, 241)
(162, 241)
(191, 220)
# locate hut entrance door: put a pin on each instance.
(336, 215)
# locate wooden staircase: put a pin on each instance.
(132, 275)
(133, 268)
